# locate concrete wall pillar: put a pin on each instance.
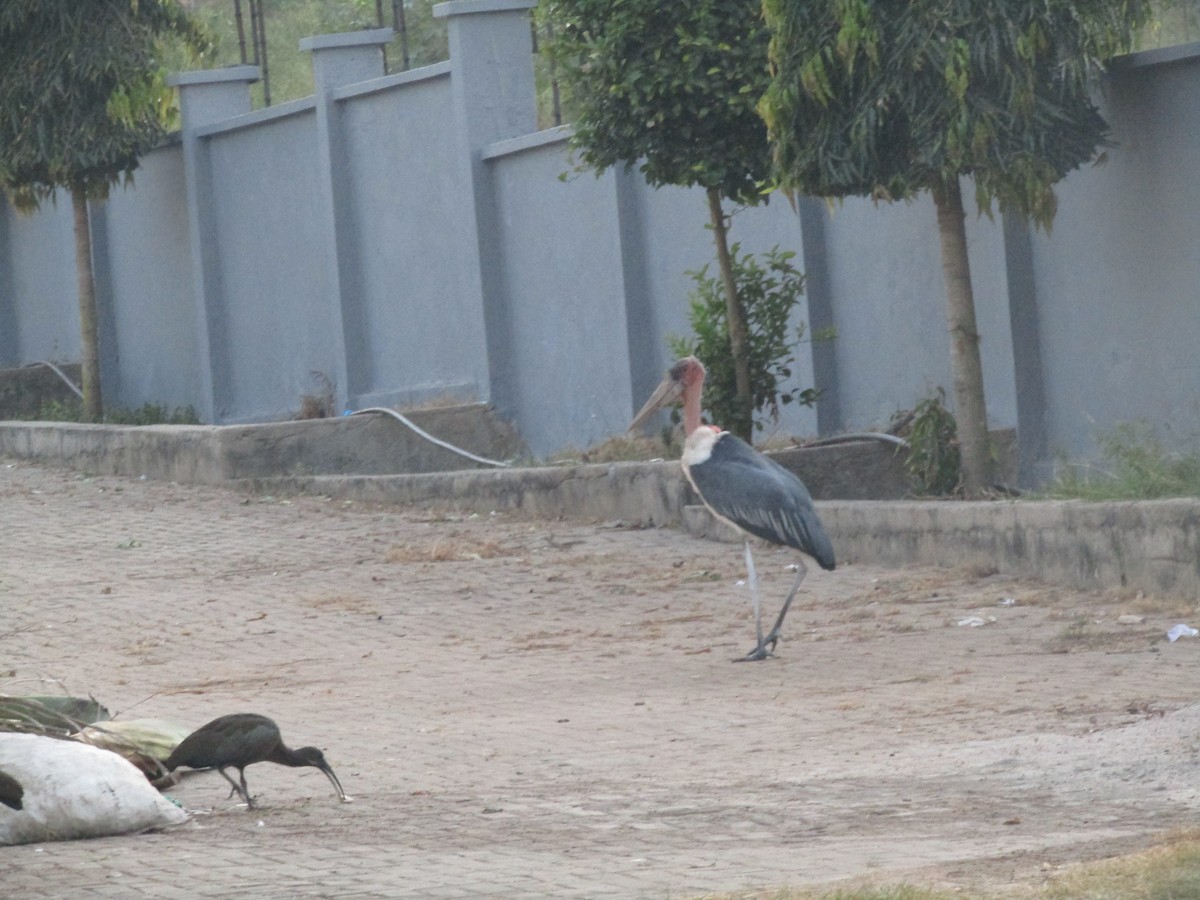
(1034, 465)
(339, 60)
(205, 98)
(492, 89)
(106, 300)
(818, 292)
(10, 354)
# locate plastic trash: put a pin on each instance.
(76, 791)
(1180, 630)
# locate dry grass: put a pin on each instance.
(343, 602)
(451, 548)
(1168, 871)
(622, 448)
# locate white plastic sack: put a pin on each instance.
(76, 791)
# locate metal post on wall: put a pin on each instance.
(260, 52)
(400, 27)
(555, 98)
(258, 42)
(556, 107)
(241, 30)
(400, 24)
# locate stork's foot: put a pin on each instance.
(765, 650)
(756, 654)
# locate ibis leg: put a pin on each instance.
(246, 790)
(760, 651)
(773, 637)
(239, 789)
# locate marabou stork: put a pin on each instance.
(744, 488)
(240, 740)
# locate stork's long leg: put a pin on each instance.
(760, 651)
(773, 637)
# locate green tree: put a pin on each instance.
(82, 97)
(769, 288)
(671, 88)
(887, 100)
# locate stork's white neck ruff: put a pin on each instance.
(699, 445)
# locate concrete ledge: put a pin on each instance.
(861, 470)
(1151, 546)
(652, 494)
(216, 454)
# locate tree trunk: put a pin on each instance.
(735, 318)
(93, 406)
(970, 409)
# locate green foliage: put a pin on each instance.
(770, 290)
(1173, 22)
(288, 21)
(933, 464)
(1138, 467)
(668, 87)
(888, 99)
(82, 91)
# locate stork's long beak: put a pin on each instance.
(666, 394)
(328, 770)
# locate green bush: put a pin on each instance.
(1137, 466)
(769, 289)
(933, 464)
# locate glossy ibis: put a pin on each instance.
(744, 488)
(240, 740)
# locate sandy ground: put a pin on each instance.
(530, 708)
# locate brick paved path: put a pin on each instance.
(528, 709)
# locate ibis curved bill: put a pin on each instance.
(744, 488)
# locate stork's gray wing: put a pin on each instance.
(762, 497)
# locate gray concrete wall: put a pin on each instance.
(1118, 278)
(41, 306)
(562, 295)
(409, 237)
(274, 291)
(402, 205)
(892, 346)
(142, 282)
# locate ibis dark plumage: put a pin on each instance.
(240, 740)
(744, 488)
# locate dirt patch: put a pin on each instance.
(550, 708)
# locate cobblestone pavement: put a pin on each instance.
(548, 709)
